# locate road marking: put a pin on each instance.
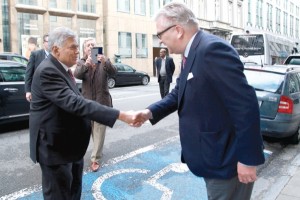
(160, 174)
(27, 191)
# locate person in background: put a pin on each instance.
(165, 70)
(219, 120)
(60, 119)
(94, 87)
(36, 57)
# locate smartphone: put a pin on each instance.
(94, 53)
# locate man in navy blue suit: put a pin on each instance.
(219, 122)
(165, 70)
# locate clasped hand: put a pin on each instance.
(135, 118)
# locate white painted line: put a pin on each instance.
(97, 184)
(28, 191)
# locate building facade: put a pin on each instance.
(278, 17)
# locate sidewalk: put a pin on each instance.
(291, 190)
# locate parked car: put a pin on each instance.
(127, 75)
(13, 104)
(293, 59)
(278, 93)
(13, 57)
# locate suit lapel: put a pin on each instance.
(65, 73)
(188, 65)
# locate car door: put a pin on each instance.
(130, 75)
(12, 92)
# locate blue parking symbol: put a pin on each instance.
(153, 172)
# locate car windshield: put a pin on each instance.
(265, 81)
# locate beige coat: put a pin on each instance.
(94, 81)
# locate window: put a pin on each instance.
(67, 5)
(30, 30)
(125, 44)
(154, 6)
(140, 7)
(249, 13)
(291, 26)
(141, 46)
(12, 74)
(259, 14)
(278, 25)
(29, 2)
(124, 6)
(293, 84)
(166, 2)
(269, 17)
(87, 6)
(57, 21)
(285, 18)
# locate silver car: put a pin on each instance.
(278, 93)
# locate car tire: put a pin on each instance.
(111, 83)
(145, 80)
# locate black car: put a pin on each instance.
(278, 94)
(127, 75)
(13, 104)
(13, 57)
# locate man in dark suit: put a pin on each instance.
(36, 57)
(219, 122)
(165, 70)
(60, 117)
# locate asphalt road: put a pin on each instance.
(138, 163)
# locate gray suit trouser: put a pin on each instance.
(228, 189)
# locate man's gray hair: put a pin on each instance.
(177, 13)
(59, 35)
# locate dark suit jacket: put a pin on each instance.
(219, 122)
(170, 68)
(36, 57)
(60, 116)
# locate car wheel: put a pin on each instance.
(145, 80)
(111, 83)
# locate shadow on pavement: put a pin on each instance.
(14, 126)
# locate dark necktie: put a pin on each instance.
(72, 76)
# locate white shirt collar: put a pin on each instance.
(188, 46)
(64, 66)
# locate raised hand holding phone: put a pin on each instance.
(95, 52)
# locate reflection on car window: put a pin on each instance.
(293, 84)
(13, 74)
(20, 60)
(128, 69)
(267, 81)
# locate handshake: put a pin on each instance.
(135, 118)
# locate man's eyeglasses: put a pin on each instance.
(162, 32)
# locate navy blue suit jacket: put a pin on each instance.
(170, 68)
(219, 122)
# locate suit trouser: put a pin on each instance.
(98, 135)
(62, 182)
(229, 189)
(164, 86)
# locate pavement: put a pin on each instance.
(291, 190)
